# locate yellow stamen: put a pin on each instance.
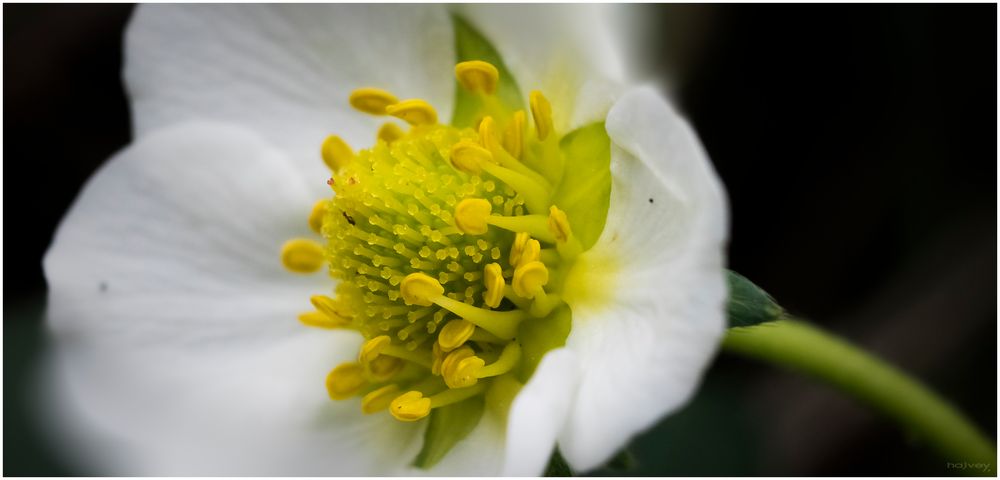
(381, 346)
(520, 242)
(301, 255)
(328, 307)
(532, 252)
(414, 111)
(529, 279)
(466, 156)
(420, 289)
(471, 215)
(372, 100)
(378, 400)
(455, 395)
(508, 359)
(438, 356)
(559, 224)
(541, 111)
(491, 141)
(493, 279)
(316, 216)
(566, 244)
(389, 132)
(384, 368)
(322, 320)
(410, 406)
(454, 334)
(477, 76)
(345, 381)
(336, 153)
(373, 348)
(459, 368)
(488, 134)
(513, 137)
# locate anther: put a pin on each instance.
(529, 279)
(477, 76)
(322, 320)
(410, 406)
(379, 399)
(372, 100)
(541, 111)
(471, 215)
(491, 141)
(328, 307)
(420, 289)
(454, 334)
(389, 132)
(413, 111)
(460, 367)
(516, 248)
(381, 346)
(345, 381)
(336, 153)
(559, 224)
(301, 255)
(488, 134)
(513, 138)
(468, 157)
(373, 348)
(566, 244)
(316, 216)
(384, 368)
(493, 279)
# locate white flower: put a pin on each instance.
(176, 351)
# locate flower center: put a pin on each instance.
(446, 243)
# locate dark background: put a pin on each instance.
(858, 147)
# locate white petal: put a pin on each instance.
(285, 71)
(539, 413)
(176, 345)
(563, 50)
(660, 262)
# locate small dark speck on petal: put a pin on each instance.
(102, 287)
(348, 218)
(650, 200)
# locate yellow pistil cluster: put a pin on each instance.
(445, 242)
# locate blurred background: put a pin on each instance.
(858, 147)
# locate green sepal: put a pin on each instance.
(470, 44)
(557, 466)
(584, 192)
(446, 427)
(749, 304)
(538, 336)
(623, 461)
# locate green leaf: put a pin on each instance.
(448, 425)
(557, 466)
(584, 192)
(470, 44)
(749, 304)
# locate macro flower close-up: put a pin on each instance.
(491, 244)
(499, 240)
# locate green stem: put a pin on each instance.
(807, 349)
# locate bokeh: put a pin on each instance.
(858, 147)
